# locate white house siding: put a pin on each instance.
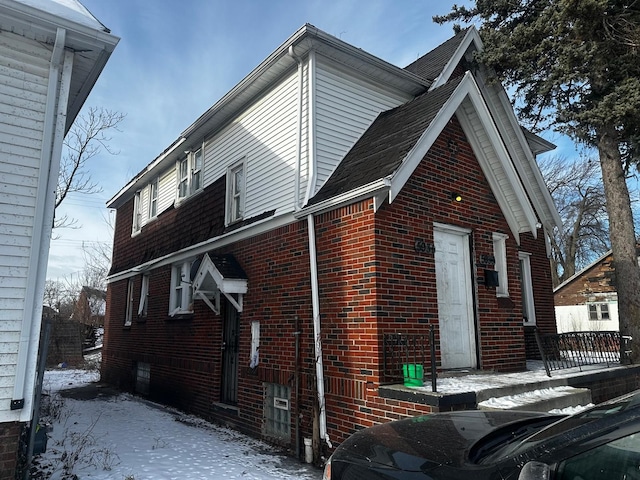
(265, 137)
(24, 72)
(575, 318)
(345, 106)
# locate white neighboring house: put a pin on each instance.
(588, 301)
(51, 54)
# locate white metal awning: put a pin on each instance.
(213, 275)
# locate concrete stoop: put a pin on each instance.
(539, 400)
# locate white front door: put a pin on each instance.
(455, 302)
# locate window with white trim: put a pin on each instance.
(137, 213)
(599, 311)
(235, 192)
(500, 254)
(526, 285)
(189, 171)
(181, 300)
(153, 198)
(129, 311)
(144, 296)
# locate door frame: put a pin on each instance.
(466, 235)
(230, 353)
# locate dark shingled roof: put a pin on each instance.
(430, 65)
(381, 149)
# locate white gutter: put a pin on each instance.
(52, 137)
(311, 163)
(315, 302)
(372, 189)
(296, 189)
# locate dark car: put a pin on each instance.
(600, 443)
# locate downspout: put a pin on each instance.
(52, 138)
(315, 302)
(312, 174)
(296, 190)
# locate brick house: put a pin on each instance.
(326, 200)
(589, 299)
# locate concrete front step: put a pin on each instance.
(539, 400)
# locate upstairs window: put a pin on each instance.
(181, 300)
(235, 192)
(153, 198)
(137, 213)
(500, 254)
(190, 174)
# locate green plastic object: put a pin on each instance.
(413, 374)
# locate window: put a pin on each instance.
(599, 311)
(190, 174)
(526, 285)
(235, 193)
(153, 198)
(181, 300)
(144, 296)
(137, 213)
(143, 378)
(129, 311)
(276, 411)
(617, 459)
(500, 253)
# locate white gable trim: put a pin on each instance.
(519, 213)
(472, 36)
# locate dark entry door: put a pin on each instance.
(230, 341)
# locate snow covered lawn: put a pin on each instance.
(122, 437)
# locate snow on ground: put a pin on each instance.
(122, 437)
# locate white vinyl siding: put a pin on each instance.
(345, 107)
(24, 72)
(266, 135)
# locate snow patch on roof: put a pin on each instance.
(71, 10)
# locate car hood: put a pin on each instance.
(425, 442)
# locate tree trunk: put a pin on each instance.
(623, 241)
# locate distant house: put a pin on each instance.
(51, 53)
(329, 199)
(588, 300)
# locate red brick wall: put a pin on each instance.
(9, 442)
(372, 280)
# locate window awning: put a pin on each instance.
(213, 274)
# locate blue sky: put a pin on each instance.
(177, 58)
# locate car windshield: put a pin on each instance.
(535, 433)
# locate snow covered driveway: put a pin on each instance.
(119, 436)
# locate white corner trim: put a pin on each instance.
(472, 36)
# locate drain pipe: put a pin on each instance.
(296, 189)
(315, 302)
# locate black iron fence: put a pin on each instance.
(577, 349)
(406, 354)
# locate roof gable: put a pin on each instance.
(385, 157)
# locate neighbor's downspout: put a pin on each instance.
(311, 175)
(315, 302)
(52, 137)
(296, 190)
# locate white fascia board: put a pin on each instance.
(373, 189)
(468, 89)
(238, 235)
(119, 198)
(471, 37)
(547, 199)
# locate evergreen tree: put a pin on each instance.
(575, 65)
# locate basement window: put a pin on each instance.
(277, 411)
(143, 378)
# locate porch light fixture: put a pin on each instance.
(456, 197)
